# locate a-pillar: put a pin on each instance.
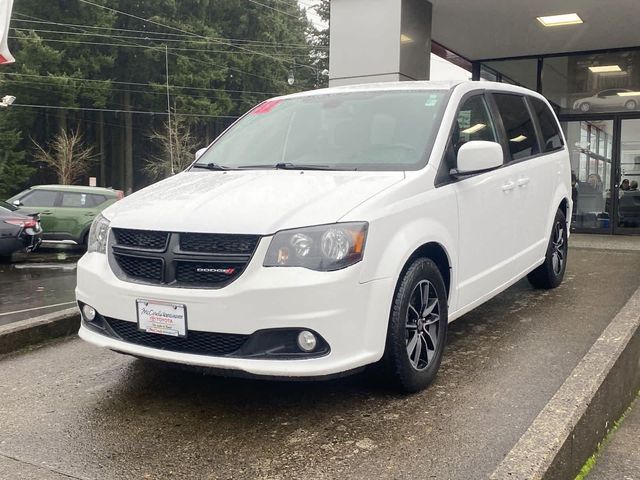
(379, 41)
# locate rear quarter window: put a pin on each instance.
(551, 137)
(94, 200)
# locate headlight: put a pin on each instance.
(98, 235)
(323, 248)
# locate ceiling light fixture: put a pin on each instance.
(559, 20)
(518, 139)
(606, 69)
(629, 94)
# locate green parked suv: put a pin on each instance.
(66, 211)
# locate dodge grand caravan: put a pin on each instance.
(330, 230)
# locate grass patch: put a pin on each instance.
(591, 461)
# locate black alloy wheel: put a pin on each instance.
(551, 273)
(417, 331)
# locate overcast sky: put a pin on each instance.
(312, 16)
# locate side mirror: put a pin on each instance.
(478, 156)
(200, 152)
(17, 203)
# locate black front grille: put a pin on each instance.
(218, 243)
(193, 260)
(201, 343)
(140, 267)
(206, 273)
(144, 239)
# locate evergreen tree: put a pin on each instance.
(14, 172)
(320, 42)
(224, 56)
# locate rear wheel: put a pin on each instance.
(585, 107)
(631, 105)
(551, 272)
(417, 328)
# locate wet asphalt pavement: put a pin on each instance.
(70, 410)
(37, 283)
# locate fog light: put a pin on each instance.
(89, 313)
(307, 341)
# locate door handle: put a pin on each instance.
(508, 186)
(523, 182)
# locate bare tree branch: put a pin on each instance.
(67, 155)
(182, 143)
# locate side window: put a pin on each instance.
(551, 137)
(521, 134)
(74, 200)
(39, 198)
(95, 200)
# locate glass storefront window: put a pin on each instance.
(590, 172)
(516, 72)
(603, 82)
(628, 191)
(486, 74)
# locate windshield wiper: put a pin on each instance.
(300, 166)
(211, 166)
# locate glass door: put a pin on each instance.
(591, 148)
(627, 194)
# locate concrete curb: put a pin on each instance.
(18, 335)
(567, 431)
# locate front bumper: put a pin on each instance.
(352, 317)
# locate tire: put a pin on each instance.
(585, 107)
(411, 369)
(631, 105)
(550, 274)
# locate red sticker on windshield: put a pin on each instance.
(265, 107)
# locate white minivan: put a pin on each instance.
(330, 230)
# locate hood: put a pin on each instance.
(247, 201)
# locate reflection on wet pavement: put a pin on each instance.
(37, 283)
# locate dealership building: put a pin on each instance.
(582, 55)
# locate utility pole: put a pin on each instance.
(166, 58)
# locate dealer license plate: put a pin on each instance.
(162, 318)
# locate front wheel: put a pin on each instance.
(417, 328)
(550, 274)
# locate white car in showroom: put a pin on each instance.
(612, 99)
(330, 230)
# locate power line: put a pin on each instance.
(58, 77)
(39, 85)
(257, 43)
(209, 63)
(283, 56)
(109, 110)
(274, 9)
(173, 49)
(120, 12)
(205, 62)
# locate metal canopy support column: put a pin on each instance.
(379, 41)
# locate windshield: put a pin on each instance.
(390, 130)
